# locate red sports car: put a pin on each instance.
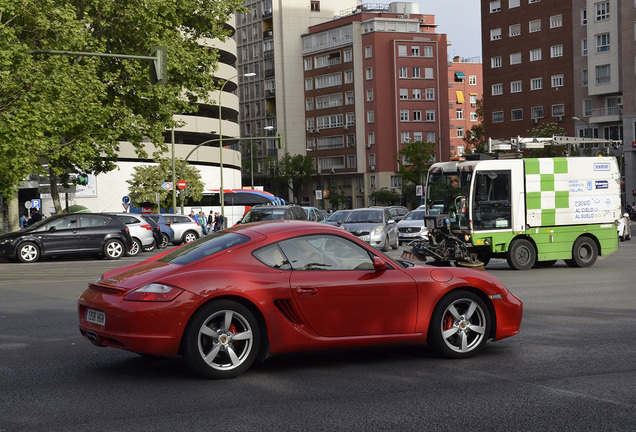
(260, 289)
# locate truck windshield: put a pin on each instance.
(444, 193)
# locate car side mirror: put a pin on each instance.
(391, 221)
(379, 264)
(52, 229)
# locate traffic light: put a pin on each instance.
(634, 192)
(159, 66)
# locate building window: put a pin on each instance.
(348, 55)
(472, 80)
(584, 47)
(404, 115)
(315, 6)
(415, 51)
(513, 4)
(401, 50)
(348, 77)
(371, 138)
(495, 34)
(536, 83)
(556, 51)
(558, 110)
(405, 137)
(602, 11)
(351, 161)
(516, 87)
(308, 63)
(602, 42)
(430, 115)
(516, 114)
(368, 51)
(417, 94)
(417, 115)
(535, 26)
(498, 117)
(351, 118)
(369, 95)
(309, 84)
(603, 74)
(330, 80)
(349, 99)
(473, 100)
(535, 54)
(404, 94)
(556, 21)
(536, 113)
(495, 62)
(370, 117)
(514, 30)
(497, 89)
(416, 72)
(583, 17)
(309, 104)
(587, 107)
(429, 94)
(460, 132)
(403, 73)
(428, 73)
(515, 58)
(584, 78)
(495, 6)
(459, 112)
(428, 51)
(369, 73)
(557, 80)
(473, 116)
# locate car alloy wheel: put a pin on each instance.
(135, 249)
(165, 241)
(460, 325)
(189, 237)
(113, 249)
(28, 252)
(221, 340)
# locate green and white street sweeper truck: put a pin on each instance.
(532, 212)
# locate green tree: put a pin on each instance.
(291, 172)
(385, 197)
(146, 182)
(547, 130)
(414, 160)
(337, 196)
(71, 112)
(475, 137)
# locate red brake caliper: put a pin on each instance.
(233, 330)
(448, 322)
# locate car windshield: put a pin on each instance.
(263, 215)
(339, 215)
(415, 215)
(204, 247)
(365, 216)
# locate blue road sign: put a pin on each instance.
(125, 199)
(36, 203)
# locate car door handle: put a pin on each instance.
(305, 291)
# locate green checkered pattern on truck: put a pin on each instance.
(548, 199)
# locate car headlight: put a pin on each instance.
(154, 292)
(378, 230)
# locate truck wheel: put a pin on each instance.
(584, 253)
(521, 255)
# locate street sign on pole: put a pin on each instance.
(181, 184)
(126, 199)
(167, 186)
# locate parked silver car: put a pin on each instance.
(140, 231)
(374, 226)
(412, 226)
(336, 218)
(186, 230)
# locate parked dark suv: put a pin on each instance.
(68, 234)
(269, 212)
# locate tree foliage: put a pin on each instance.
(291, 172)
(72, 111)
(337, 196)
(385, 197)
(475, 137)
(547, 130)
(414, 159)
(146, 182)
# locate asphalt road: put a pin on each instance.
(572, 368)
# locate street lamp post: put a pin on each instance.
(251, 74)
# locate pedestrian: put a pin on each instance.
(35, 217)
(24, 221)
(221, 221)
(211, 221)
(201, 220)
(193, 216)
(216, 222)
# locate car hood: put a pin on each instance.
(360, 226)
(410, 223)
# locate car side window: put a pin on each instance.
(325, 252)
(93, 221)
(272, 256)
(63, 223)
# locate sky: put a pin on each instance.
(460, 20)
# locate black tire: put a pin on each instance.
(150, 247)
(584, 253)
(165, 241)
(28, 252)
(233, 347)
(452, 333)
(135, 249)
(396, 245)
(114, 249)
(385, 246)
(521, 255)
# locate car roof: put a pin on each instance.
(268, 228)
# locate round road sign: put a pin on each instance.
(181, 184)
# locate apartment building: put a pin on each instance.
(465, 88)
(375, 77)
(563, 61)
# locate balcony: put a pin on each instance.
(268, 34)
(606, 115)
(269, 72)
(268, 53)
(267, 13)
(271, 93)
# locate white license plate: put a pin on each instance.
(408, 234)
(95, 317)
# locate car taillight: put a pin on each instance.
(148, 227)
(154, 292)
